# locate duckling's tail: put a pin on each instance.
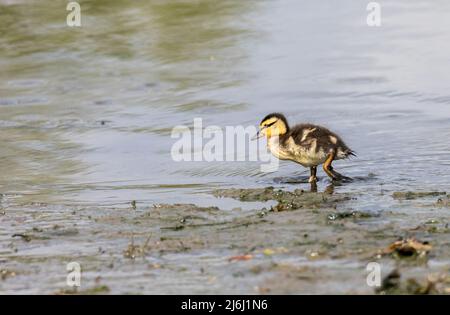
(345, 152)
(350, 153)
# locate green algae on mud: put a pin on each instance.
(96, 290)
(410, 195)
(442, 201)
(286, 200)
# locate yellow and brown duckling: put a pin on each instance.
(307, 144)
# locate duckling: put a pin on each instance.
(306, 144)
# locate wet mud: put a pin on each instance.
(300, 242)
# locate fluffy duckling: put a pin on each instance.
(307, 144)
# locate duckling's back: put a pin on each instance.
(317, 141)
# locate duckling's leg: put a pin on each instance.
(313, 178)
(313, 186)
(329, 169)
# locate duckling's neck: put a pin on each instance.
(273, 144)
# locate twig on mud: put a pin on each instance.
(134, 251)
(26, 238)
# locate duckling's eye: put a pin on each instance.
(267, 126)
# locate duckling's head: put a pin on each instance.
(273, 125)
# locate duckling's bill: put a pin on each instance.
(259, 134)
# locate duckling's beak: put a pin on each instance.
(259, 134)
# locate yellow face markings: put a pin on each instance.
(280, 126)
(273, 127)
(268, 122)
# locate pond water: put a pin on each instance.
(86, 113)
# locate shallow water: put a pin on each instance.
(86, 113)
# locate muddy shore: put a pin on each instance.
(301, 242)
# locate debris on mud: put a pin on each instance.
(240, 258)
(257, 194)
(433, 284)
(443, 202)
(350, 215)
(37, 233)
(57, 230)
(413, 286)
(390, 283)
(409, 247)
(133, 251)
(410, 195)
(25, 237)
(286, 200)
(177, 217)
(180, 214)
(5, 274)
(274, 251)
(433, 226)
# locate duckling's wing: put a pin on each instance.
(304, 133)
(329, 141)
(325, 140)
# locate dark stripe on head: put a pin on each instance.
(277, 115)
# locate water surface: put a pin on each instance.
(86, 113)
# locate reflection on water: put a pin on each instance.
(96, 104)
(86, 113)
